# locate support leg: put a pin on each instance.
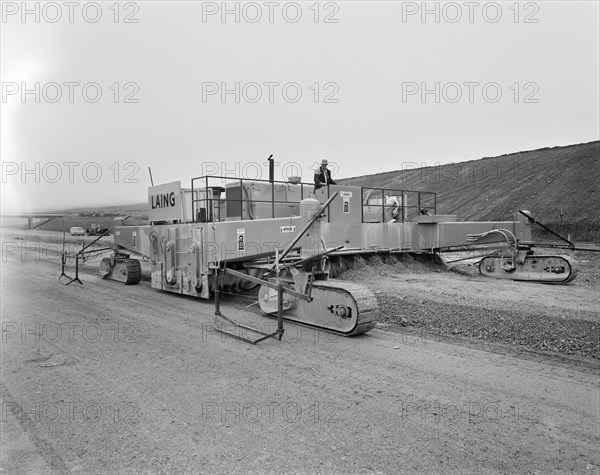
(76, 278)
(280, 329)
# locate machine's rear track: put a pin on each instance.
(544, 269)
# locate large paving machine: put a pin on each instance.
(235, 234)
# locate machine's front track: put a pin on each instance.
(125, 270)
(339, 307)
(544, 269)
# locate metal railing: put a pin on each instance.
(397, 205)
(239, 202)
(211, 184)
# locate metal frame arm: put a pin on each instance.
(289, 247)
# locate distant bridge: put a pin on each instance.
(46, 218)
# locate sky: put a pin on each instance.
(96, 93)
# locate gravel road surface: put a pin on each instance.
(106, 378)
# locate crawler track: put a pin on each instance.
(543, 269)
(338, 307)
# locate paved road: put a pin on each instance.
(105, 378)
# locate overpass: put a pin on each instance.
(45, 217)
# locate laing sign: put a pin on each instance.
(164, 202)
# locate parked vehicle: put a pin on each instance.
(77, 231)
(95, 230)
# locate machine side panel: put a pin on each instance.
(246, 240)
(346, 207)
(134, 238)
(415, 236)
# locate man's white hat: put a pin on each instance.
(324, 161)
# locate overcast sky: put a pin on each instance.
(371, 86)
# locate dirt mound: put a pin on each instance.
(376, 265)
(558, 185)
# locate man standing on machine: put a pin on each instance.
(323, 176)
